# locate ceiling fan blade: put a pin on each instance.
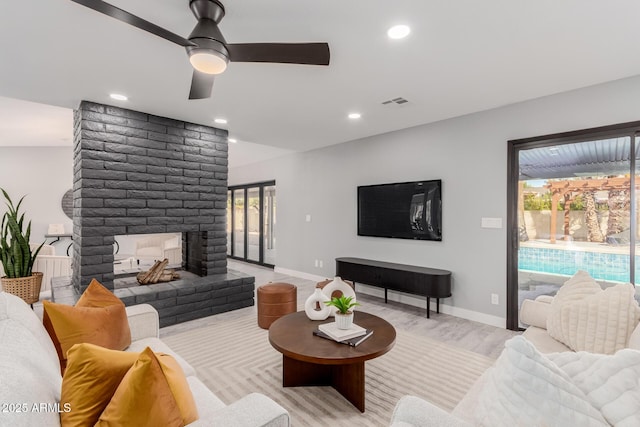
(284, 53)
(124, 16)
(201, 85)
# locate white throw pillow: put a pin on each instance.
(527, 389)
(586, 318)
(611, 382)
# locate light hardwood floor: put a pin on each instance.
(477, 337)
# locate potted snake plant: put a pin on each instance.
(16, 255)
(344, 315)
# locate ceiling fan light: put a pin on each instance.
(208, 62)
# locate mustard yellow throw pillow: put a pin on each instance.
(99, 317)
(94, 374)
(152, 393)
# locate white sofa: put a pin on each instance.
(416, 412)
(30, 377)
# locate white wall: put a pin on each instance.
(43, 174)
(468, 153)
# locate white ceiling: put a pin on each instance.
(462, 56)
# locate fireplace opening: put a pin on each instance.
(146, 259)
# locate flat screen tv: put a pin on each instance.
(407, 210)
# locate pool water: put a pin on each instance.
(603, 266)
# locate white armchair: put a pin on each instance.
(157, 247)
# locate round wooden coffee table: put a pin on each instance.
(308, 360)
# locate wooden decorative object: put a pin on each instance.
(157, 273)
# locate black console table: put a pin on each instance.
(427, 282)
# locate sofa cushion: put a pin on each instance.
(28, 378)
(99, 317)
(206, 402)
(543, 341)
(526, 388)
(584, 317)
(149, 395)
(634, 339)
(14, 308)
(534, 313)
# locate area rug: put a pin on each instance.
(233, 358)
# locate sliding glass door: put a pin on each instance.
(251, 223)
(269, 235)
(238, 238)
(572, 206)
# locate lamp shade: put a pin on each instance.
(208, 61)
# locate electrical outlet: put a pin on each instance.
(495, 299)
(320, 263)
(316, 263)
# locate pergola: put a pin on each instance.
(568, 189)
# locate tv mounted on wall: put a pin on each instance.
(407, 210)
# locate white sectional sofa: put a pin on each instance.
(412, 411)
(30, 380)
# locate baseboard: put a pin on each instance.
(463, 313)
(487, 319)
(300, 274)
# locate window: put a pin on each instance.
(571, 207)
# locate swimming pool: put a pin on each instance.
(603, 266)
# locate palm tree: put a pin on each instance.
(618, 202)
(594, 233)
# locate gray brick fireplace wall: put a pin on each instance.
(136, 173)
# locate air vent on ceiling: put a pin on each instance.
(397, 101)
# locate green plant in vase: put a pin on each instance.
(16, 255)
(344, 314)
(343, 304)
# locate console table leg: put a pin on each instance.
(428, 306)
(438, 305)
(385, 295)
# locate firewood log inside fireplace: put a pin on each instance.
(157, 273)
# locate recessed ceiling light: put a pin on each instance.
(232, 140)
(118, 97)
(398, 31)
(354, 116)
(221, 121)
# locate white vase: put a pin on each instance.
(310, 306)
(344, 321)
(343, 288)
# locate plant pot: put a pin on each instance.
(27, 288)
(344, 321)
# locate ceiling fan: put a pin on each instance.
(209, 53)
